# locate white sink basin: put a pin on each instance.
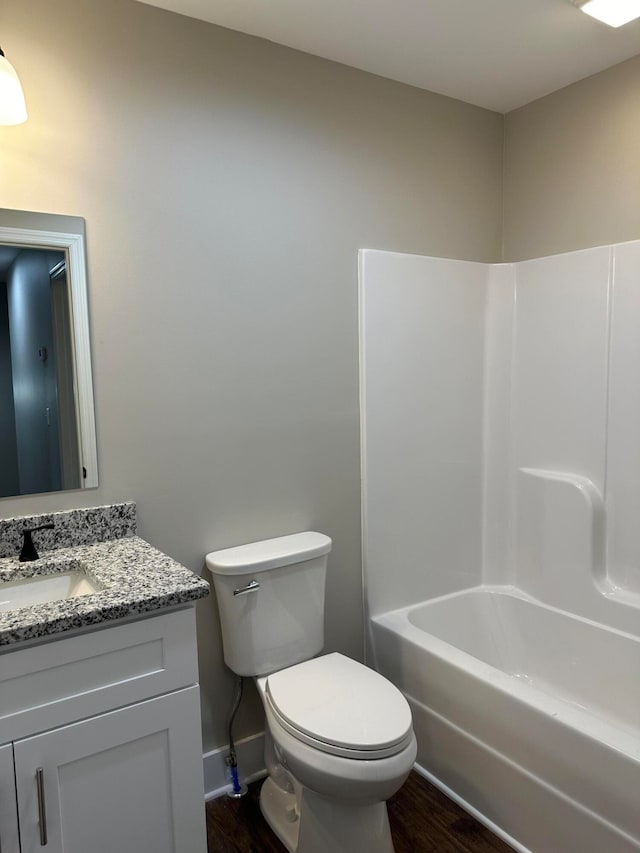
(44, 588)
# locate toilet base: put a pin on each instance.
(280, 810)
(305, 822)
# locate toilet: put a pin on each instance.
(339, 738)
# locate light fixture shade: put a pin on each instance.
(612, 12)
(13, 109)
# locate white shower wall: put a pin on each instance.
(496, 424)
(623, 445)
(501, 428)
(422, 339)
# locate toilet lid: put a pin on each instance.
(340, 706)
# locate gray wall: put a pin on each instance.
(227, 184)
(572, 167)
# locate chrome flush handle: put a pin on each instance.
(253, 586)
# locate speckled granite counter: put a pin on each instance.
(132, 576)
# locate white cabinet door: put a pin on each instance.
(8, 807)
(129, 781)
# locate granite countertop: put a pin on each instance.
(132, 578)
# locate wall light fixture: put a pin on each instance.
(13, 109)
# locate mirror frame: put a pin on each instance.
(74, 248)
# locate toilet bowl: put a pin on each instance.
(339, 738)
(340, 728)
(330, 772)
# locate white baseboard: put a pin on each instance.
(250, 755)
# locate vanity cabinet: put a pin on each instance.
(126, 780)
(117, 782)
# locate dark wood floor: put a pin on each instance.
(422, 820)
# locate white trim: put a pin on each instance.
(250, 755)
(73, 244)
(479, 816)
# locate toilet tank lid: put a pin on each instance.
(269, 554)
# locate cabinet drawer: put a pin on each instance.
(68, 679)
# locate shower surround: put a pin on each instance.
(501, 508)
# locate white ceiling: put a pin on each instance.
(498, 54)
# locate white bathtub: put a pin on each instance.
(528, 715)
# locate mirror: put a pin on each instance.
(47, 422)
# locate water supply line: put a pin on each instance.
(238, 790)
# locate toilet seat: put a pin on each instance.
(340, 707)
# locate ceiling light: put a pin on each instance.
(13, 109)
(612, 12)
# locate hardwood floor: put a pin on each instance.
(422, 820)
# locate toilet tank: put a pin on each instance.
(271, 601)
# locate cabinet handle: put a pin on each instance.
(42, 811)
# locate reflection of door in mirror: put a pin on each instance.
(62, 339)
(36, 375)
